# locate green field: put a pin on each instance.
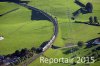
(20, 31)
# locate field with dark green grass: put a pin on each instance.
(20, 31)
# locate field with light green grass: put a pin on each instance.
(69, 32)
(20, 31)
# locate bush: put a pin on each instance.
(80, 43)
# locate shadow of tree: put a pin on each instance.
(8, 12)
(86, 23)
(38, 16)
(90, 42)
(98, 33)
(15, 1)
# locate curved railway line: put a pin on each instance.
(48, 45)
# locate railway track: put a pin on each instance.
(48, 45)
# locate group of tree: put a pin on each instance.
(93, 20)
(17, 57)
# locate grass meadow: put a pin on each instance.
(20, 31)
